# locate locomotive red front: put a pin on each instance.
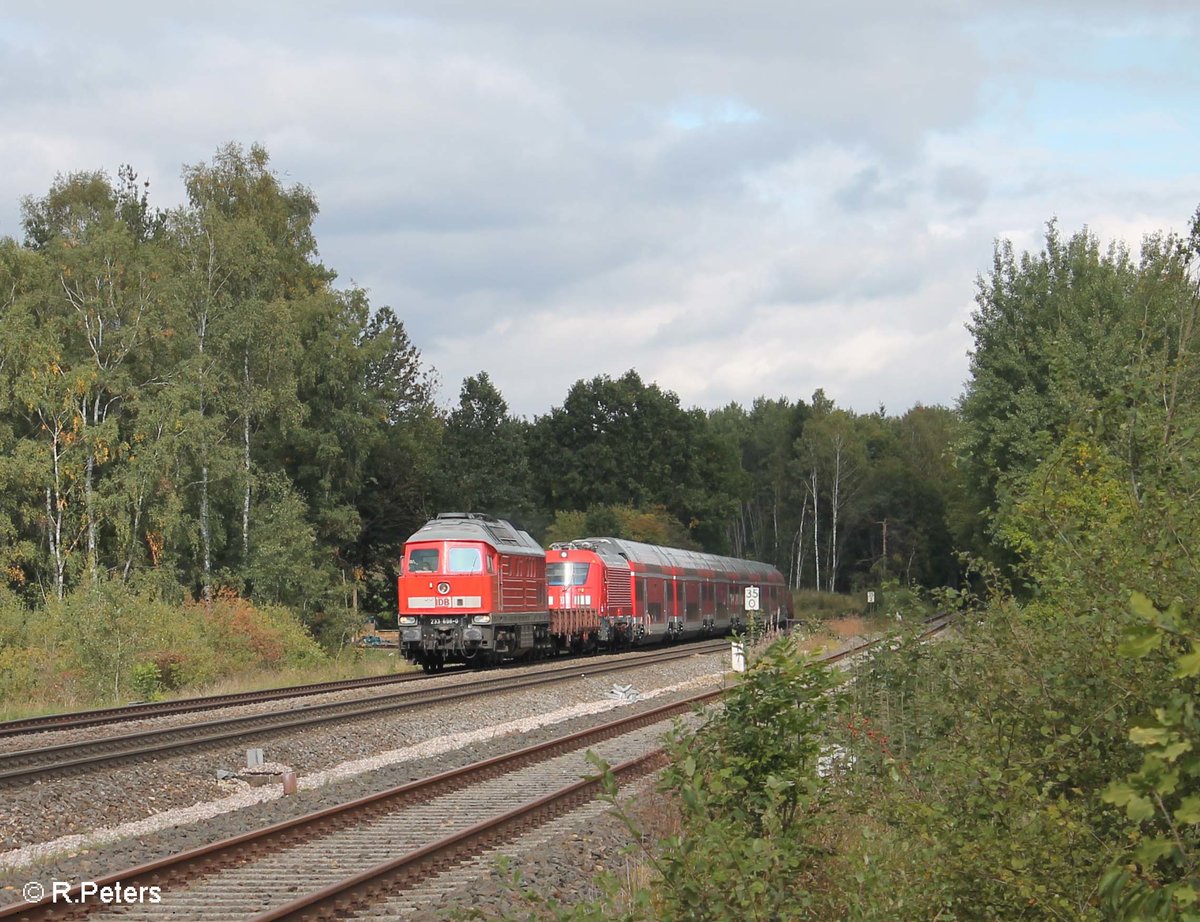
(471, 589)
(588, 587)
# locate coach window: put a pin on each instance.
(423, 560)
(465, 560)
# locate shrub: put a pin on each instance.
(100, 645)
(749, 797)
(147, 681)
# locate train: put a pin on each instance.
(475, 589)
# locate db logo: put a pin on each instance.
(443, 588)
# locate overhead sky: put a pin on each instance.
(736, 199)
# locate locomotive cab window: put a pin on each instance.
(423, 560)
(465, 560)
(567, 574)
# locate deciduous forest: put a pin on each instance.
(191, 404)
(196, 418)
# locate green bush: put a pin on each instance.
(147, 681)
(978, 765)
(100, 646)
(1159, 876)
(749, 798)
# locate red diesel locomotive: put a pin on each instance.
(476, 590)
(471, 589)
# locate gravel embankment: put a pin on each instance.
(455, 678)
(560, 862)
(61, 807)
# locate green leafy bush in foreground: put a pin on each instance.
(748, 795)
(1160, 877)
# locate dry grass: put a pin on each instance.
(346, 665)
(810, 604)
(349, 664)
(655, 814)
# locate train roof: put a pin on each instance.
(655, 555)
(475, 526)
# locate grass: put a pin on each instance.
(350, 663)
(810, 604)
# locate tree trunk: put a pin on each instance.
(56, 509)
(89, 505)
(246, 463)
(833, 531)
(205, 537)
(816, 533)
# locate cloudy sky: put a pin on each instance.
(735, 199)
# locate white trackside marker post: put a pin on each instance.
(752, 607)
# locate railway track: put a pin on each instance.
(100, 716)
(69, 720)
(241, 876)
(429, 826)
(37, 763)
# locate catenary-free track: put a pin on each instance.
(36, 763)
(257, 876)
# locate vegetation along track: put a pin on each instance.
(429, 826)
(28, 764)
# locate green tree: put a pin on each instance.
(254, 255)
(773, 516)
(1073, 335)
(652, 526)
(623, 442)
(483, 461)
(831, 460)
(93, 312)
(909, 509)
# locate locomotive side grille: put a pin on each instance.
(617, 583)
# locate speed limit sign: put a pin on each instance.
(751, 598)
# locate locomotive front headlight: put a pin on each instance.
(406, 619)
(483, 619)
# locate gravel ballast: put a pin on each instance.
(453, 734)
(560, 863)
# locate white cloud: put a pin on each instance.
(762, 199)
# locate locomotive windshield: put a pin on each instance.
(567, 574)
(465, 560)
(423, 560)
